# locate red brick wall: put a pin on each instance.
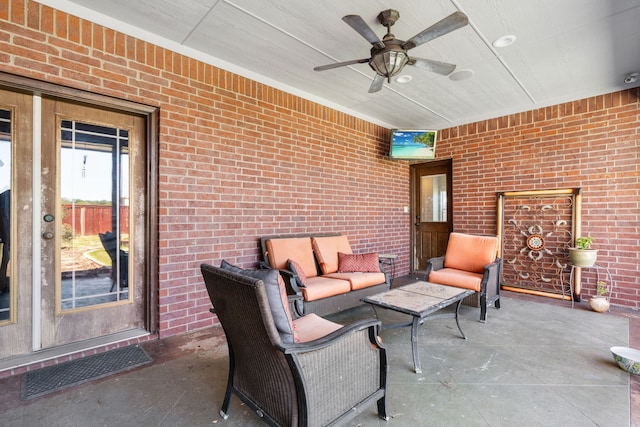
(239, 159)
(591, 143)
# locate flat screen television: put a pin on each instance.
(413, 144)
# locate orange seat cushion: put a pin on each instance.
(311, 327)
(322, 287)
(470, 253)
(299, 249)
(457, 278)
(360, 280)
(326, 250)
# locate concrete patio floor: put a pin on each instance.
(536, 362)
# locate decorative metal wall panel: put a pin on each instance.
(536, 228)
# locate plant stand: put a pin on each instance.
(598, 268)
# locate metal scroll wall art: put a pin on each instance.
(535, 229)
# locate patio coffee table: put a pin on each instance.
(421, 300)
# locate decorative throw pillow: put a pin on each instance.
(296, 269)
(277, 296)
(363, 263)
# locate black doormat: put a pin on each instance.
(68, 374)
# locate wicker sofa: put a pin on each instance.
(322, 272)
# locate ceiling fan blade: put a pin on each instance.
(443, 68)
(452, 22)
(340, 64)
(358, 24)
(376, 84)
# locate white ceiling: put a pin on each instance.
(565, 50)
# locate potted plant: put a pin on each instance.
(600, 301)
(582, 255)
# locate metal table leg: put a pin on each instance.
(414, 344)
(458, 323)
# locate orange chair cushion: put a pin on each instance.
(322, 287)
(470, 253)
(311, 327)
(326, 250)
(299, 249)
(360, 280)
(457, 278)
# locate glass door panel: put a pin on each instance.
(94, 165)
(433, 200)
(5, 215)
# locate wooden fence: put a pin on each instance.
(89, 220)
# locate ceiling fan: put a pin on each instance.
(390, 55)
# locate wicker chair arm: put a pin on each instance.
(494, 266)
(491, 275)
(434, 264)
(290, 278)
(371, 325)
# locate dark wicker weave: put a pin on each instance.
(323, 382)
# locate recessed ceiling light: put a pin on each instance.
(504, 41)
(403, 79)
(461, 75)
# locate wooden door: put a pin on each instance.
(92, 166)
(432, 210)
(16, 223)
(69, 173)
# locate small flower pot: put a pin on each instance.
(599, 303)
(583, 257)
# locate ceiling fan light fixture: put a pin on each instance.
(388, 63)
(389, 55)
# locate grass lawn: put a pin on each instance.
(100, 256)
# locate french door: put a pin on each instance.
(75, 246)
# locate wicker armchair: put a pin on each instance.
(325, 381)
(470, 263)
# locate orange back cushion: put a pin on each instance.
(297, 249)
(326, 250)
(470, 253)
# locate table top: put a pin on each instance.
(419, 298)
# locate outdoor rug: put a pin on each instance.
(68, 374)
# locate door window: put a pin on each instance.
(94, 165)
(433, 200)
(5, 214)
